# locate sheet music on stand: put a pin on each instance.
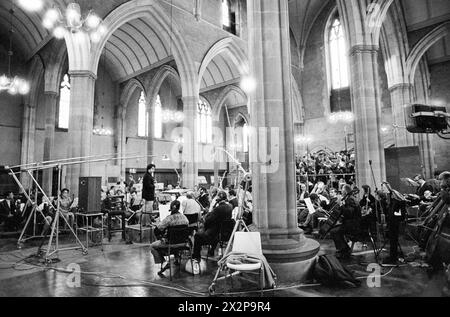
(310, 206)
(409, 182)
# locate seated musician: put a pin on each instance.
(9, 214)
(348, 225)
(203, 199)
(209, 235)
(325, 209)
(133, 207)
(45, 212)
(191, 209)
(307, 226)
(65, 205)
(368, 212)
(174, 219)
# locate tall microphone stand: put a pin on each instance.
(380, 224)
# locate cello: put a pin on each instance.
(334, 215)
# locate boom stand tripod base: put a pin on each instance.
(55, 229)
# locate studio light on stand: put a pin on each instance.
(13, 84)
(72, 21)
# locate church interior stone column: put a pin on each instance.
(190, 147)
(50, 104)
(81, 124)
(289, 252)
(401, 96)
(366, 103)
(28, 140)
(120, 137)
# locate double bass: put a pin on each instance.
(334, 215)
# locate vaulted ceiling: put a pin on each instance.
(29, 34)
(220, 70)
(302, 14)
(134, 47)
(421, 17)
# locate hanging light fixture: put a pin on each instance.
(13, 84)
(31, 5)
(72, 21)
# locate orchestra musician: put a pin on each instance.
(349, 224)
(394, 207)
(209, 234)
(368, 211)
(9, 214)
(173, 220)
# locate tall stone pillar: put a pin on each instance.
(120, 137)
(50, 104)
(80, 125)
(366, 103)
(28, 140)
(151, 130)
(190, 147)
(401, 96)
(271, 110)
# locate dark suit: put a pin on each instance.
(148, 187)
(351, 226)
(204, 200)
(427, 186)
(213, 222)
(393, 221)
(9, 215)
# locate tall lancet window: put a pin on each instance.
(338, 65)
(338, 55)
(158, 118)
(64, 104)
(204, 123)
(143, 117)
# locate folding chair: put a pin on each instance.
(247, 243)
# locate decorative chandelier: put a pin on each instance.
(172, 116)
(101, 131)
(73, 21)
(13, 84)
(345, 117)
